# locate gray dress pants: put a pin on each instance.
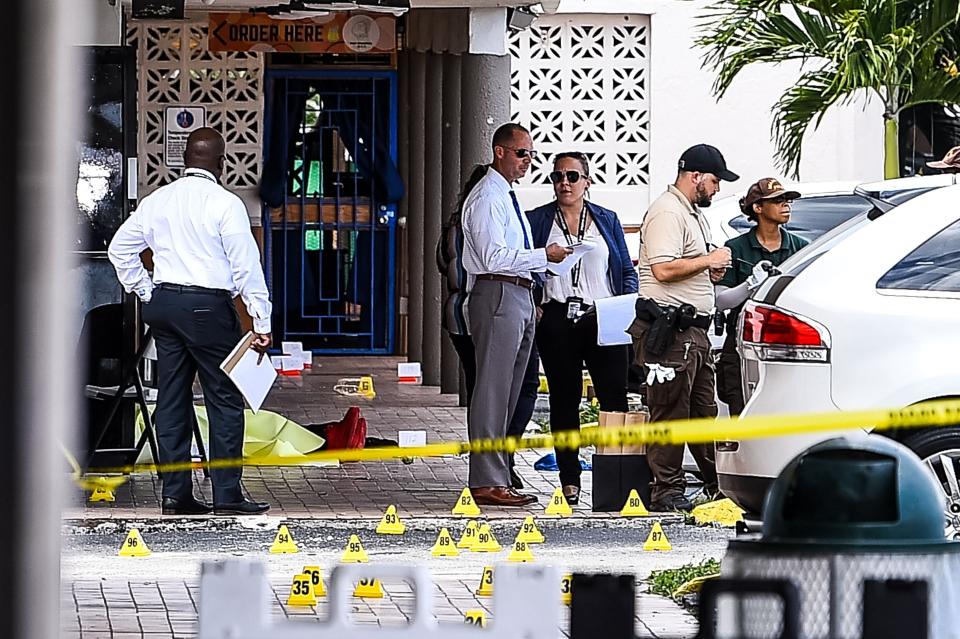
(502, 324)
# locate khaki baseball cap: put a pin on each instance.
(765, 189)
(950, 161)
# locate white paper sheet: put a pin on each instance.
(253, 380)
(579, 250)
(614, 316)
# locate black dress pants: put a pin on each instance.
(564, 348)
(194, 333)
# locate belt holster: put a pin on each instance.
(661, 333)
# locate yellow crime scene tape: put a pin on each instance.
(689, 431)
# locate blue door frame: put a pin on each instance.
(330, 248)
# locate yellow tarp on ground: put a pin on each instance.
(723, 512)
(265, 434)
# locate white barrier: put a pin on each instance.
(235, 600)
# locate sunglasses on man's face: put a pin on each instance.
(522, 153)
(780, 199)
(572, 176)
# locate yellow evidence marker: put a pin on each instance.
(486, 542)
(520, 552)
(369, 589)
(301, 591)
(476, 618)
(529, 532)
(634, 506)
(657, 540)
(134, 545)
(469, 537)
(102, 493)
(316, 580)
(566, 589)
(365, 389)
(486, 582)
(391, 524)
(354, 552)
(465, 505)
(445, 546)
(558, 505)
(283, 543)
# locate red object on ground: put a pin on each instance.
(349, 432)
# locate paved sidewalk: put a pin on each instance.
(427, 487)
(152, 609)
(106, 596)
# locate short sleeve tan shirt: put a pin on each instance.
(673, 229)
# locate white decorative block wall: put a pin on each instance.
(580, 82)
(174, 67)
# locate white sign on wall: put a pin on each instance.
(179, 121)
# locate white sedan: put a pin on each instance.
(873, 322)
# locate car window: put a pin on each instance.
(932, 266)
(811, 217)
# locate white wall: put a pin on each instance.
(847, 146)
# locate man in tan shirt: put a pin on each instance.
(678, 267)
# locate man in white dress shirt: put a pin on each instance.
(499, 259)
(204, 254)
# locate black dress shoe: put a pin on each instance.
(572, 494)
(670, 503)
(515, 481)
(171, 506)
(245, 507)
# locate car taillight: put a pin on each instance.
(780, 336)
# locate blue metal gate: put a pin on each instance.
(329, 219)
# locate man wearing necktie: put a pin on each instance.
(499, 260)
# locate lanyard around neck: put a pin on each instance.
(581, 229)
(202, 175)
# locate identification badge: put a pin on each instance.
(574, 304)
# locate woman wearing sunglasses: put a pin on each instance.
(567, 332)
(753, 255)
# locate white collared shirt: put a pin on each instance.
(200, 236)
(493, 232)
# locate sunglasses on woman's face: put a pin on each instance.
(572, 176)
(780, 199)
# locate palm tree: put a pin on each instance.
(902, 51)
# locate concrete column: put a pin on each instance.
(450, 174)
(403, 161)
(484, 105)
(415, 186)
(433, 205)
(485, 101)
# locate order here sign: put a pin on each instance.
(330, 33)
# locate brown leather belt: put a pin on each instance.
(516, 280)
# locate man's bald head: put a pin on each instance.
(205, 150)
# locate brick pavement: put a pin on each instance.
(427, 487)
(155, 609)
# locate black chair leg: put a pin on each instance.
(200, 448)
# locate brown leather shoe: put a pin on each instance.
(501, 496)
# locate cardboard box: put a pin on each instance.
(612, 419)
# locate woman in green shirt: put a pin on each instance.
(764, 246)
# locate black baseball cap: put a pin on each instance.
(706, 159)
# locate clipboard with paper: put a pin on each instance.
(252, 375)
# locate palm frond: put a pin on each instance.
(801, 105)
